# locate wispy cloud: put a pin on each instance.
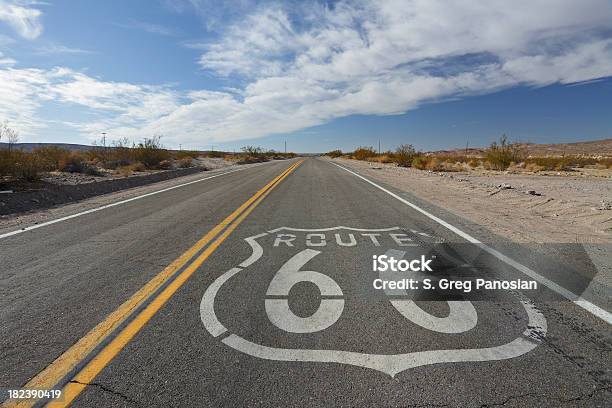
(215, 14)
(54, 49)
(6, 60)
(22, 17)
(150, 28)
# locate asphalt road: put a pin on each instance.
(276, 307)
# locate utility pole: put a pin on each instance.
(180, 147)
(285, 147)
(467, 143)
(379, 147)
(104, 144)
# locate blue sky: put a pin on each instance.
(320, 75)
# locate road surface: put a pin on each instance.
(257, 288)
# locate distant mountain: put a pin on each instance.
(589, 148)
(592, 147)
(28, 147)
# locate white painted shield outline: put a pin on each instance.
(391, 364)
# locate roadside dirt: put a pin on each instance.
(523, 208)
(58, 188)
(18, 220)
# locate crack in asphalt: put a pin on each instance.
(109, 390)
(550, 343)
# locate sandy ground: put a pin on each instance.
(565, 209)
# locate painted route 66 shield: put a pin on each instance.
(314, 295)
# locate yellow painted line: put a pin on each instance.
(101, 360)
(61, 366)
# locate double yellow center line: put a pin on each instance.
(170, 277)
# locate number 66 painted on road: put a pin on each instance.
(462, 316)
(288, 275)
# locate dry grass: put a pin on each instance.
(364, 153)
(121, 158)
(501, 155)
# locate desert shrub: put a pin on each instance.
(193, 154)
(334, 153)
(114, 164)
(51, 157)
(253, 154)
(19, 165)
(185, 163)
(433, 164)
(121, 153)
(131, 168)
(26, 167)
(246, 159)
(533, 167)
(137, 166)
(364, 152)
(150, 152)
(420, 162)
(500, 155)
(404, 155)
(96, 154)
(560, 163)
(166, 164)
(253, 151)
(383, 158)
(75, 162)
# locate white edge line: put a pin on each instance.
(92, 210)
(585, 304)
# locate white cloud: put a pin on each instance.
(54, 49)
(22, 17)
(20, 100)
(306, 64)
(6, 61)
(310, 64)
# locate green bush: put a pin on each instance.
(404, 155)
(150, 152)
(500, 155)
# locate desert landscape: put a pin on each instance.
(567, 196)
